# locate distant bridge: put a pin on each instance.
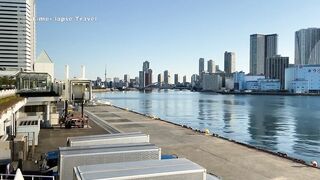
(157, 86)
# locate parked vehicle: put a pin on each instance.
(49, 163)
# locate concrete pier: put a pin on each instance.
(220, 157)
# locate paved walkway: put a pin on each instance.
(52, 139)
(223, 158)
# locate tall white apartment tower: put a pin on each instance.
(211, 67)
(262, 47)
(17, 34)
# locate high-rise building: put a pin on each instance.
(201, 71)
(145, 76)
(184, 80)
(148, 78)
(136, 81)
(159, 79)
(141, 79)
(17, 34)
(166, 77)
(126, 78)
(307, 46)
(201, 66)
(217, 68)
(261, 47)
(176, 79)
(271, 47)
(194, 80)
(211, 67)
(257, 53)
(229, 62)
(275, 68)
(146, 66)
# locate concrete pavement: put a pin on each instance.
(220, 157)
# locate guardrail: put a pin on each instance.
(31, 177)
(6, 93)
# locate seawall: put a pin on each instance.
(223, 157)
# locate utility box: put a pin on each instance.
(20, 147)
(177, 169)
(119, 138)
(54, 120)
(30, 127)
(71, 157)
(5, 150)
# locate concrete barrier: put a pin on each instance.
(6, 93)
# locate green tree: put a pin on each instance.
(7, 82)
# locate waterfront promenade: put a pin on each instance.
(220, 157)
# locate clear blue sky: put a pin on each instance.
(171, 34)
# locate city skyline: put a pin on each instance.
(161, 32)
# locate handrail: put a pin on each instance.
(33, 177)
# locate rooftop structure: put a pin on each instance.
(44, 64)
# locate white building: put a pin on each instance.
(211, 82)
(251, 82)
(303, 79)
(263, 85)
(251, 85)
(44, 64)
(253, 78)
(269, 84)
(246, 82)
(211, 66)
(238, 79)
(17, 34)
(254, 83)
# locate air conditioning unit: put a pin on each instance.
(120, 138)
(71, 157)
(177, 169)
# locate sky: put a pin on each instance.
(171, 34)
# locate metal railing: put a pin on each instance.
(26, 177)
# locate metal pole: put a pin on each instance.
(65, 109)
(82, 109)
(82, 102)
(33, 144)
(12, 134)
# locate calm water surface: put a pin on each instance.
(289, 124)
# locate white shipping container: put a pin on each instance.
(119, 138)
(177, 169)
(72, 157)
